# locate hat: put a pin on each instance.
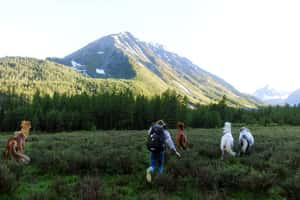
(161, 122)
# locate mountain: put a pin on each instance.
(294, 98)
(270, 95)
(124, 57)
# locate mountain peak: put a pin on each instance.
(123, 56)
(294, 98)
(270, 95)
(124, 34)
(267, 87)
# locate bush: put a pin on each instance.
(77, 162)
(89, 189)
(15, 168)
(118, 163)
(124, 165)
(257, 181)
(205, 176)
(292, 186)
(61, 188)
(40, 196)
(8, 181)
(167, 183)
(49, 160)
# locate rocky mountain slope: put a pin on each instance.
(122, 56)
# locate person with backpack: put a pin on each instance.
(158, 138)
(246, 141)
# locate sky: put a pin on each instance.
(248, 43)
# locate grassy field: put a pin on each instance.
(112, 164)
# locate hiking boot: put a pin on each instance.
(148, 176)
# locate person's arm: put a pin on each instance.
(184, 141)
(251, 138)
(20, 143)
(16, 133)
(23, 145)
(240, 139)
(185, 138)
(149, 131)
(170, 142)
(232, 143)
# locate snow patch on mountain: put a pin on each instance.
(79, 67)
(125, 42)
(269, 93)
(269, 97)
(76, 64)
(272, 96)
(100, 71)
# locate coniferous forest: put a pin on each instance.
(124, 110)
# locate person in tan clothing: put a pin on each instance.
(181, 139)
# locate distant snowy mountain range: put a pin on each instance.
(272, 96)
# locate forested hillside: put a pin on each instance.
(25, 76)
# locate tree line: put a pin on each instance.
(124, 110)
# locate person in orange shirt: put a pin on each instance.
(16, 144)
(181, 139)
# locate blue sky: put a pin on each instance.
(247, 43)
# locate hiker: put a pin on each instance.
(227, 141)
(181, 139)
(15, 146)
(246, 141)
(158, 137)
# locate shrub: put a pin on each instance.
(230, 176)
(49, 160)
(205, 176)
(292, 186)
(118, 163)
(258, 181)
(167, 182)
(15, 168)
(40, 196)
(7, 179)
(77, 162)
(61, 188)
(153, 195)
(89, 189)
(125, 165)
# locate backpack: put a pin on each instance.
(156, 139)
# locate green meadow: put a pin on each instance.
(92, 165)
